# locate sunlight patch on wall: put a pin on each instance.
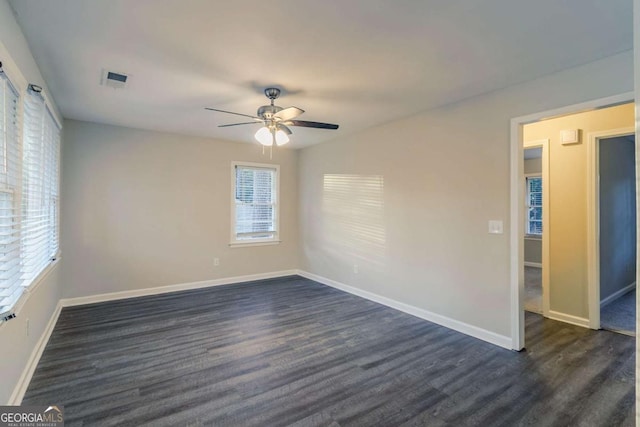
(353, 218)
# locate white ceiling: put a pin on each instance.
(357, 63)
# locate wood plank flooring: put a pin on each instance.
(293, 352)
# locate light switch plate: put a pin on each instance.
(495, 226)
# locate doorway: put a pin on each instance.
(612, 279)
(517, 220)
(536, 226)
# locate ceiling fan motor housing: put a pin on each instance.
(266, 112)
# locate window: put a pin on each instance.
(10, 148)
(534, 205)
(29, 188)
(39, 187)
(254, 216)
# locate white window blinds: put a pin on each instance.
(40, 187)
(255, 208)
(29, 186)
(10, 170)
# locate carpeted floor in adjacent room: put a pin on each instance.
(620, 315)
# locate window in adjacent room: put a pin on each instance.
(534, 205)
(254, 216)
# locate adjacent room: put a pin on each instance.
(588, 162)
(356, 213)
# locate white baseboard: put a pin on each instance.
(456, 325)
(21, 387)
(614, 296)
(533, 264)
(112, 296)
(567, 318)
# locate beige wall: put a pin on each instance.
(567, 210)
(143, 209)
(445, 174)
(39, 303)
(19, 345)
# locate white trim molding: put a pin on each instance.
(21, 387)
(29, 290)
(447, 322)
(618, 294)
(567, 318)
(135, 293)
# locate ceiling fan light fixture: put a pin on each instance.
(264, 137)
(281, 137)
(276, 121)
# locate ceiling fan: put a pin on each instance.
(275, 120)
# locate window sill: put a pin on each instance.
(533, 237)
(246, 244)
(28, 290)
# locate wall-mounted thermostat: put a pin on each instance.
(570, 136)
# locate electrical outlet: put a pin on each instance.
(216, 261)
(27, 327)
(495, 227)
(355, 268)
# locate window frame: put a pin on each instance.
(528, 206)
(22, 86)
(46, 145)
(13, 190)
(234, 241)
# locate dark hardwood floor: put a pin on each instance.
(293, 352)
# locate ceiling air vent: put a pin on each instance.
(113, 79)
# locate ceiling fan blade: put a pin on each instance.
(284, 129)
(237, 124)
(231, 112)
(306, 124)
(288, 113)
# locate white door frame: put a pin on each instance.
(593, 218)
(544, 144)
(516, 231)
